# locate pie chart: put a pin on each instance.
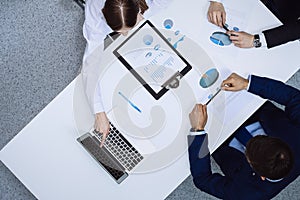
(220, 38)
(209, 78)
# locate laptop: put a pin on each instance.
(117, 157)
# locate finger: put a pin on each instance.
(227, 83)
(203, 111)
(233, 36)
(209, 16)
(194, 110)
(214, 19)
(205, 108)
(97, 129)
(103, 139)
(195, 107)
(198, 107)
(219, 19)
(223, 18)
(229, 88)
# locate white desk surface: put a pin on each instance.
(47, 159)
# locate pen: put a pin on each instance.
(225, 27)
(219, 90)
(130, 103)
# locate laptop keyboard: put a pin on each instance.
(103, 156)
(117, 144)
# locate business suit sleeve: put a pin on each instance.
(200, 167)
(282, 34)
(278, 92)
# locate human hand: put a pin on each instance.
(101, 125)
(235, 83)
(198, 117)
(241, 39)
(216, 14)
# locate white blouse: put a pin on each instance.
(95, 29)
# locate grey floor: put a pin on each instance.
(41, 49)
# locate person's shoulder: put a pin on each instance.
(247, 189)
(94, 5)
(160, 3)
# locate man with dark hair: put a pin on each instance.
(275, 162)
(262, 157)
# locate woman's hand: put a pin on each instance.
(102, 125)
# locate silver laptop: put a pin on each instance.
(117, 156)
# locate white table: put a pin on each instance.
(46, 158)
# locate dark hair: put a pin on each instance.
(269, 156)
(123, 13)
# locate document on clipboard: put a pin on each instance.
(152, 60)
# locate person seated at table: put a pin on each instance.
(263, 155)
(287, 11)
(104, 17)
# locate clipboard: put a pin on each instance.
(152, 60)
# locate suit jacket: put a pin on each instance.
(239, 180)
(288, 12)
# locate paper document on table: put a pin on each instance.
(228, 105)
(236, 19)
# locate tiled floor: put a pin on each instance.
(41, 50)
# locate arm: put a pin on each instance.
(101, 123)
(91, 85)
(278, 92)
(274, 37)
(201, 169)
(268, 89)
(199, 156)
(156, 6)
(282, 34)
(95, 28)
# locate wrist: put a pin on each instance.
(197, 129)
(194, 132)
(215, 1)
(256, 41)
(246, 83)
(100, 114)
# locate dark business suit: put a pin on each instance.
(288, 12)
(239, 180)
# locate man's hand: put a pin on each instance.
(216, 14)
(102, 125)
(235, 83)
(198, 117)
(241, 39)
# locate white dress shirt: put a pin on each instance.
(95, 29)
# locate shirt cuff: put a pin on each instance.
(249, 82)
(194, 133)
(98, 107)
(220, 1)
(262, 39)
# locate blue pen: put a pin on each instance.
(132, 104)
